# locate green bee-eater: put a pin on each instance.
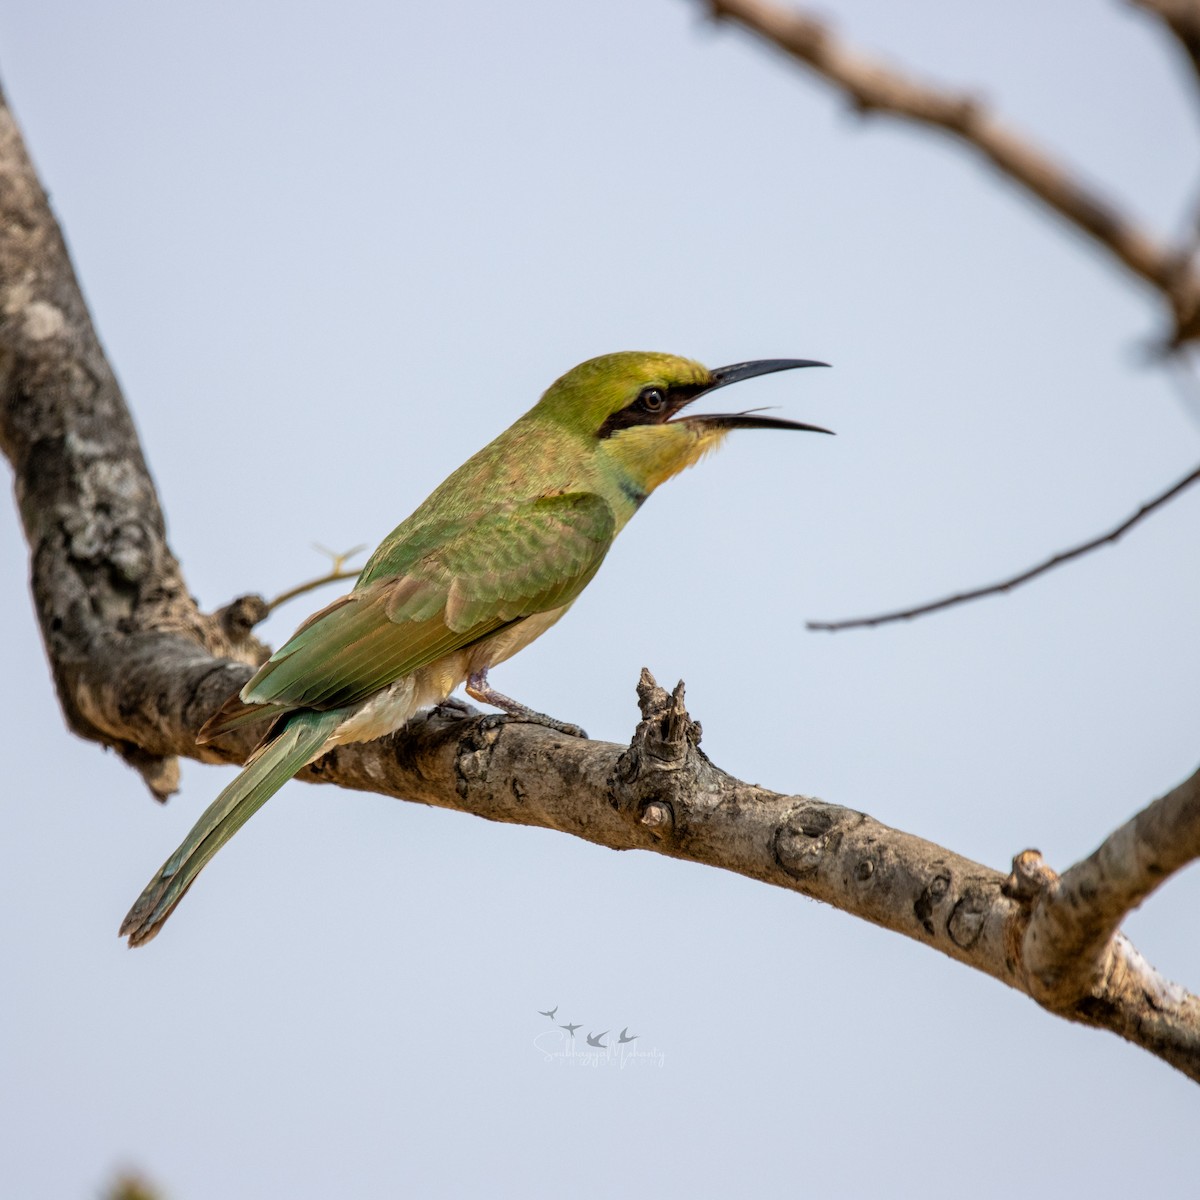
(486, 564)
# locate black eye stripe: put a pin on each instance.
(653, 406)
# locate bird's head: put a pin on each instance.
(632, 404)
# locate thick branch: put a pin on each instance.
(663, 794)
(137, 666)
(873, 87)
(108, 589)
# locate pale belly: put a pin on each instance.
(400, 701)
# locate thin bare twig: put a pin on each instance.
(873, 87)
(1006, 585)
(335, 573)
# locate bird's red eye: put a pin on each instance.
(652, 399)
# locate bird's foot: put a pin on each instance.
(529, 716)
(479, 689)
(453, 708)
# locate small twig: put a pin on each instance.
(335, 573)
(1016, 580)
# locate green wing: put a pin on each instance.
(453, 584)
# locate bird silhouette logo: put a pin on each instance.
(626, 1036)
(549, 1014)
(593, 1039)
(571, 1028)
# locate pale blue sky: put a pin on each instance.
(331, 250)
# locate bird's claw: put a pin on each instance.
(497, 720)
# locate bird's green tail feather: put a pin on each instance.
(300, 740)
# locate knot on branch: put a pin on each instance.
(666, 733)
(965, 114)
(229, 631)
(1031, 877)
(473, 761)
(159, 772)
(239, 617)
(813, 832)
(663, 765)
(1063, 945)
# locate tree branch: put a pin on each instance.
(237, 619)
(107, 588)
(337, 572)
(872, 87)
(1005, 585)
(1076, 916)
(662, 793)
(138, 667)
(1182, 18)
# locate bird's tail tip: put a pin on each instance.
(265, 772)
(138, 935)
(149, 912)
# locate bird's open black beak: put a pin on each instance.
(724, 376)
